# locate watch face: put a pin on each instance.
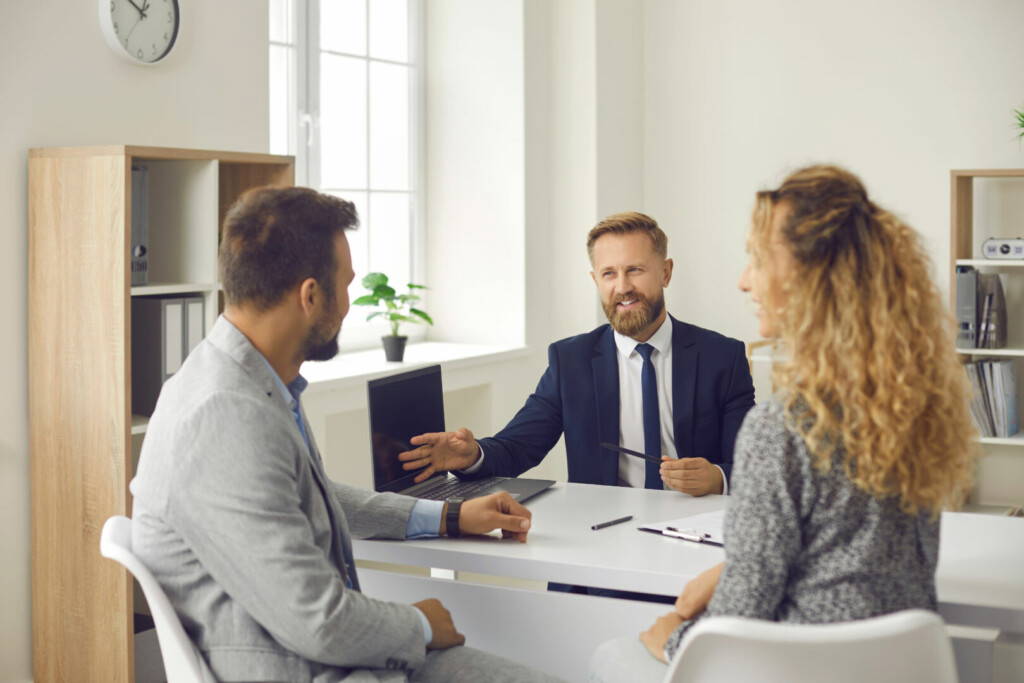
(146, 29)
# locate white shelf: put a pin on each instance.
(158, 289)
(1007, 352)
(1015, 440)
(991, 263)
(139, 424)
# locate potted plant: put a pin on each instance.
(395, 308)
(1020, 122)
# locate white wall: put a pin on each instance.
(739, 93)
(61, 85)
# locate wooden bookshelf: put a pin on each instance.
(80, 419)
(965, 250)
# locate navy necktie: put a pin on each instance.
(652, 417)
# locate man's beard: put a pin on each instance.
(632, 322)
(321, 344)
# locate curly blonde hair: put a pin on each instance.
(871, 366)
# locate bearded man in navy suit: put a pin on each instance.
(645, 381)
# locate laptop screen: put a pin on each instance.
(401, 407)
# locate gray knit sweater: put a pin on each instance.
(807, 546)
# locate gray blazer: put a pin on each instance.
(246, 534)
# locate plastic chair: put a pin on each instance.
(908, 647)
(182, 661)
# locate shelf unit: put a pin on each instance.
(1001, 211)
(83, 436)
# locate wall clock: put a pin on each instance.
(143, 31)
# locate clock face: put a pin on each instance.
(144, 29)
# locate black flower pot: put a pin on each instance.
(394, 348)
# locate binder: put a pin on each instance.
(164, 331)
(966, 307)
(140, 225)
(194, 328)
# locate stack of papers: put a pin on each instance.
(994, 400)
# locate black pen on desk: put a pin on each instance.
(620, 520)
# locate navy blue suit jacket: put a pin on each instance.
(579, 396)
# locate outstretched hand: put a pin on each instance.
(440, 452)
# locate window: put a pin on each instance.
(345, 100)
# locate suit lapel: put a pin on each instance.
(606, 388)
(684, 387)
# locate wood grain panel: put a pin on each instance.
(236, 178)
(961, 229)
(78, 412)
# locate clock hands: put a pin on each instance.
(141, 10)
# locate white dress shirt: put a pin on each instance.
(632, 470)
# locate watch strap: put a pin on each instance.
(451, 520)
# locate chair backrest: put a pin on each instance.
(909, 647)
(182, 661)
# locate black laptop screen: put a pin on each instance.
(401, 407)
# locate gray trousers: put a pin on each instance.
(454, 665)
(625, 660)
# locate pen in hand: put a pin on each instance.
(620, 520)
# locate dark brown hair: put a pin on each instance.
(629, 221)
(275, 237)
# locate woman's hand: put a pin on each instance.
(697, 593)
(657, 635)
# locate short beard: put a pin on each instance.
(320, 344)
(631, 323)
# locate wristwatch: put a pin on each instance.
(451, 520)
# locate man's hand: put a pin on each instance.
(440, 452)
(697, 593)
(445, 635)
(695, 476)
(496, 511)
(657, 635)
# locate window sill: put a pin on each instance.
(356, 367)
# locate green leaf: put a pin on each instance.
(422, 314)
(412, 286)
(408, 298)
(383, 292)
(374, 280)
(374, 315)
(366, 300)
(398, 317)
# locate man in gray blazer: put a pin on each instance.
(233, 511)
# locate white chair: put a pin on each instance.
(182, 661)
(905, 647)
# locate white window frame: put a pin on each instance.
(304, 144)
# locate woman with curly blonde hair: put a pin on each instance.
(840, 479)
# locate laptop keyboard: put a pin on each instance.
(456, 488)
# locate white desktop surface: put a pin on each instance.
(981, 560)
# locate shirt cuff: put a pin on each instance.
(725, 482)
(428, 633)
(472, 469)
(425, 520)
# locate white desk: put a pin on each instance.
(980, 577)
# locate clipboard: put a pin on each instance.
(704, 528)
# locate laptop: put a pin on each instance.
(411, 403)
